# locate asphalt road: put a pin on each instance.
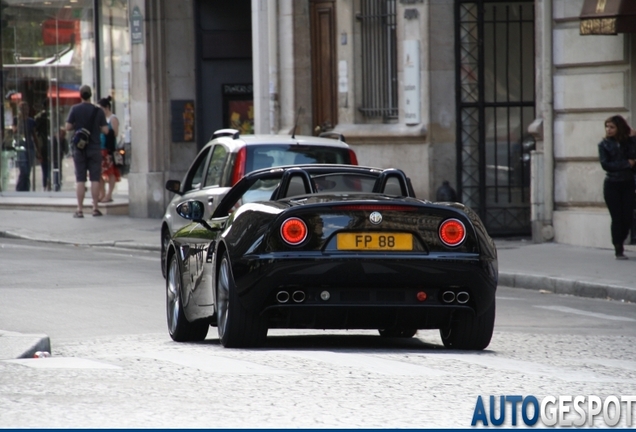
(114, 365)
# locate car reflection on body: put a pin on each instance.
(331, 247)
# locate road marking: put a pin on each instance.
(527, 367)
(215, 364)
(618, 364)
(365, 362)
(585, 313)
(62, 363)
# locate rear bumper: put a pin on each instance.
(363, 291)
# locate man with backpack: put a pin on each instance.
(87, 121)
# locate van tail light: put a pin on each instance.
(353, 159)
(239, 165)
(293, 231)
(452, 232)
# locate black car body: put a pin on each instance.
(331, 247)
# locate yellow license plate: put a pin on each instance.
(375, 241)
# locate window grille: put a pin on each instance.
(379, 58)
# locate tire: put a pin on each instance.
(469, 332)
(397, 333)
(165, 241)
(180, 329)
(237, 327)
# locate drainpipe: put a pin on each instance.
(548, 127)
(272, 34)
(286, 66)
(542, 159)
(98, 49)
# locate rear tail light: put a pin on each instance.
(293, 231)
(452, 232)
(353, 159)
(239, 165)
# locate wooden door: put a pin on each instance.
(323, 64)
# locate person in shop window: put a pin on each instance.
(26, 145)
(42, 128)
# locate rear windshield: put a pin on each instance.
(267, 156)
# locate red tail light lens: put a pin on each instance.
(293, 231)
(452, 232)
(353, 159)
(239, 165)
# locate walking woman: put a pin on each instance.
(110, 172)
(617, 153)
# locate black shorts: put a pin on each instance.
(89, 159)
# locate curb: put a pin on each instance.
(555, 285)
(115, 244)
(567, 286)
(19, 345)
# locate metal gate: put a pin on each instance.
(494, 49)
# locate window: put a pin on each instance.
(194, 177)
(215, 169)
(379, 59)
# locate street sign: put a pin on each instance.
(136, 26)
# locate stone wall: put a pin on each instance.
(592, 76)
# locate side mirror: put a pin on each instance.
(191, 210)
(194, 211)
(174, 186)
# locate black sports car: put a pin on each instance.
(330, 247)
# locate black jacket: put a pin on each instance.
(614, 157)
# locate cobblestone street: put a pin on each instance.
(342, 382)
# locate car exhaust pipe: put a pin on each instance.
(448, 296)
(463, 297)
(298, 296)
(282, 297)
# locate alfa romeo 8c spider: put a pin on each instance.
(330, 247)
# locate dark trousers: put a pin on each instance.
(46, 175)
(24, 182)
(619, 197)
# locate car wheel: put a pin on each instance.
(180, 329)
(165, 241)
(469, 332)
(237, 327)
(397, 333)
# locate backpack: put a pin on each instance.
(111, 143)
(82, 136)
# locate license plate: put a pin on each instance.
(375, 241)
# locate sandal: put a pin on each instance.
(78, 214)
(97, 213)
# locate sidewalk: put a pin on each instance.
(558, 268)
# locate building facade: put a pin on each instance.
(505, 100)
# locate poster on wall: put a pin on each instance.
(238, 107)
(182, 120)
